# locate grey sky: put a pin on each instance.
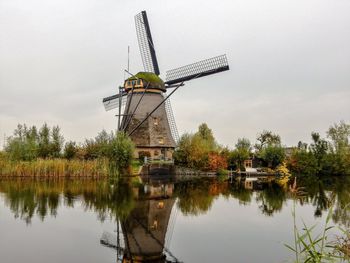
(290, 63)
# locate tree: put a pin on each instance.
(303, 162)
(23, 145)
(269, 149)
(120, 151)
(183, 150)
(339, 148)
(319, 149)
(339, 134)
(44, 141)
(207, 135)
(302, 145)
(273, 155)
(56, 143)
(102, 140)
(216, 162)
(241, 152)
(199, 152)
(70, 150)
(193, 149)
(267, 138)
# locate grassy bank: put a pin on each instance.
(55, 168)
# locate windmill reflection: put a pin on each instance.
(146, 232)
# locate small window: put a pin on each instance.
(155, 121)
(161, 140)
(138, 82)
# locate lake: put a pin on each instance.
(201, 220)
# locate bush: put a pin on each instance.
(70, 150)
(120, 151)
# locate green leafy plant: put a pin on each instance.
(307, 246)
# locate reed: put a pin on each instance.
(311, 247)
(55, 168)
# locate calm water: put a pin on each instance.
(191, 221)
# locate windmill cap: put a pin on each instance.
(154, 80)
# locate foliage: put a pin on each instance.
(269, 149)
(193, 150)
(339, 135)
(267, 138)
(27, 149)
(216, 162)
(207, 136)
(340, 148)
(319, 149)
(148, 76)
(324, 157)
(70, 150)
(309, 247)
(241, 153)
(303, 162)
(120, 151)
(273, 155)
(28, 144)
(284, 174)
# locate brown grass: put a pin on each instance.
(54, 168)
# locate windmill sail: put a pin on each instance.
(196, 70)
(112, 102)
(171, 120)
(144, 37)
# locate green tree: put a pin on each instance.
(199, 152)
(70, 150)
(319, 148)
(269, 149)
(207, 135)
(267, 138)
(273, 155)
(23, 145)
(56, 143)
(303, 163)
(183, 150)
(241, 153)
(102, 140)
(193, 149)
(339, 148)
(44, 141)
(120, 152)
(339, 134)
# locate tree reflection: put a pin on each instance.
(30, 197)
(194, 197)
(243, 195)
(271, 199)
(115, 199)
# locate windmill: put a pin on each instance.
(145, 112)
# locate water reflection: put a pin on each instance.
(145, 213)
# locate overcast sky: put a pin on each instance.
(289, 60)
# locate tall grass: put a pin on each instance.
(311, 247)
(55, 168)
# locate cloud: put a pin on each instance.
(289, 60)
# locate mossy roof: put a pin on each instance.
(148, 76)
